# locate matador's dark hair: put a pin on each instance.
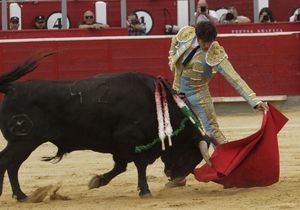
(206, 31)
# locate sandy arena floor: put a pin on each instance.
(77, 168)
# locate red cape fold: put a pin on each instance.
(249, 162)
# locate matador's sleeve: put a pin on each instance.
(217, 57)
(179, 44)
(172, 52)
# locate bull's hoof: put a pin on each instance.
(178, 182)
(146, 194)
(98, 181)
(21, 197)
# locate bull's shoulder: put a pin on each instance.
(215, 55)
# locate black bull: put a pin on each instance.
(107, 113)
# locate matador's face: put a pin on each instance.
(204, 45)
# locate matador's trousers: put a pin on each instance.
(202, 105)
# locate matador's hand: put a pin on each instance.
(262, 106)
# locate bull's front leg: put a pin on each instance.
(142, 179)
(103, 179)
(15, 154)
(12, 171)
(2, 169)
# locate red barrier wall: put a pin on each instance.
(23, 34)
(270, 64)
(258, 28)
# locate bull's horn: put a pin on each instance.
(204, 152)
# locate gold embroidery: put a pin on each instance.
(215, 54)
(186, 34)
(238, 83)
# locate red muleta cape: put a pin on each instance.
(249, 162)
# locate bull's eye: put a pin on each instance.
(20, 125)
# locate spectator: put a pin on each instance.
(232, 17)
(204, 14)
(89, 22)
(40, 22)
(135, 27)
(296, 16)
(14, 23)
(265, 15)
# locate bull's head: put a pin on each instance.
(180, 160)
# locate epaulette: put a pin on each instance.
(185, 34)
(215, 54)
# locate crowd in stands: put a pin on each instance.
(229, 15)
(14, 23)
(134, 25)
(225, 15)
(89, 22)
(40, 22)
(296, 16)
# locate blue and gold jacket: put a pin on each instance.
(204, 66)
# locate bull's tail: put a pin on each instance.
(28, 66)
(55, 159)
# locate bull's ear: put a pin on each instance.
(6, 88)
